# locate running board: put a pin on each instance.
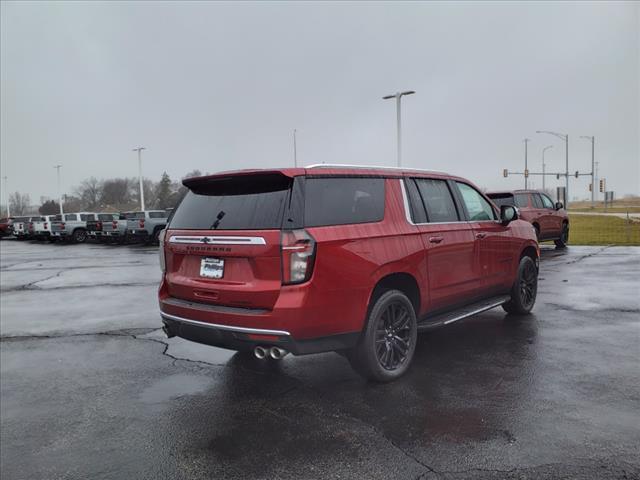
(462, 312)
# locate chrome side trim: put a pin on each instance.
(347, 165)
(228, 328)
(217, 240)
(475, 312)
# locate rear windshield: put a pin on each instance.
(501, 199)
(519, 199)
(233, 204)
(158, 214)
(134, 215)
(105, 217)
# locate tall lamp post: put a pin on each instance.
(295, 149)
(544, 164)
(6, 196)
(398, 96)
(565, 137)
(58, 167)
(139, 150)
(526, 163)
(593, 167)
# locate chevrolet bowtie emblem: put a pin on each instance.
(206, 240)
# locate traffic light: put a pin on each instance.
(577, 174)
(505, 173)
(526, 173)
(602, 184)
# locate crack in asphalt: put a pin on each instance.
(134, 333)
(33, 287)
(588, 255)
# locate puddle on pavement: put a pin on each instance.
(175, 386)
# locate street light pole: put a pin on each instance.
(593, 167)
(398, 96)
(526, 163)
(544, 164)
(139, 150)
(565, 137)
(6, 196)
(295, 149)
(58, 167)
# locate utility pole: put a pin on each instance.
(295, 149)
(398, 96)
(6, 196)
(593, 167)
(565, 137)
(526, 164)
(139, 150)
(544, 164)
(58, 167)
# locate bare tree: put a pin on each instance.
(19, 203)
(117, 192)
(90, 193)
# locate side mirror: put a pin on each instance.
(559, 206)
(508, 214)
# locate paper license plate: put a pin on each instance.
(212, 267)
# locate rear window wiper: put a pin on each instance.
(220, 216)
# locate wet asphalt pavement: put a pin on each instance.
(90, 387)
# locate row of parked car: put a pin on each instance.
(142, 226)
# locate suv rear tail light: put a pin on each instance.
(298, 255)
(141, 223)
(163, 264)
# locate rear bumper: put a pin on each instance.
(244, 339)
(138, 233)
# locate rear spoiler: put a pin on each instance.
(242, 182)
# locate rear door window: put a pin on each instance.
(416, 206)
(477, 207)
(522, 200)
(546, 201)
(343, 201)
(537, 203)
(438, 200)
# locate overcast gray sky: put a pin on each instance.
(215, 86)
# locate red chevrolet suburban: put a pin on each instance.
(339, 258)
(550, 220)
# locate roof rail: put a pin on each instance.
(347, 165)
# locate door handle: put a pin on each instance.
(435, 239)
(480, 235)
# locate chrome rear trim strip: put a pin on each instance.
(228, 328)
(217, 240)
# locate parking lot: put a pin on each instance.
(91, 388)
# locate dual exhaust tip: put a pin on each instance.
(275, 353)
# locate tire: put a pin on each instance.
(525, 288)
(79, 236)
(563, 241)
(388, 342)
